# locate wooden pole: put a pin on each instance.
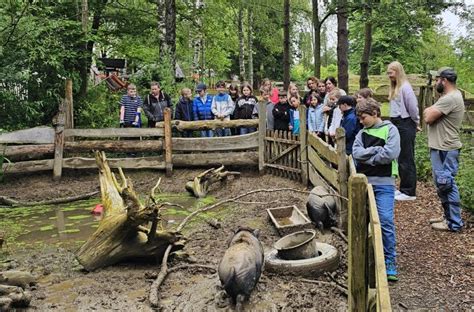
(358, 281)
(342, 174)
(168, 145)
(262, 130)
(421, 104)
(303, 146)
(58, 142)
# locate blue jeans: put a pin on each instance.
(385, 200)
(220, 132)
(445, 166)
(247, 130)
(207, 133)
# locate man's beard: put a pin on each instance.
(440, 88)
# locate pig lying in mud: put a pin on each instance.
(321, 208)
(241, 266)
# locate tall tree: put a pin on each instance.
(161, 26)
(286, 44)
(364, 62)
(342, 45)
(241, 42)
(250, 46)
(170, 36)
(317, 27)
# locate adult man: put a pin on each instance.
(444, 120)
(154, 104)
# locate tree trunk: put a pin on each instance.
(121, 233)
(342, 46)
(170, 36)
(286, 44)
(364, 62)
(250, 46)
(161, 26)
(199, 186)
(197, 33)
(317, 39)
(241, 42)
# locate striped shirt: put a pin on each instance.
(131, 107)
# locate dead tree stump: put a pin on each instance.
(200, 185)
(123, 232)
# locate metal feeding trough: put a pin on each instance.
(288, 219)
(298, 245)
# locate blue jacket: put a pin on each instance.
(295, 121)
(202, 110)
(351, 125)
(316, 119)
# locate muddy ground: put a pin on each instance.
(436, 272)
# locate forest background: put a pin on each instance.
(42, 43)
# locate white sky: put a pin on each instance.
(452, 22)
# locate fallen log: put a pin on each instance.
(122, 233)
(199, 186)
(6, 201)
(17, 278)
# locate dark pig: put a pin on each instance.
(321, 208)
(241, 266)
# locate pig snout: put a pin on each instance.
(241, 266)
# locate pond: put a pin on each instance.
(71, 224)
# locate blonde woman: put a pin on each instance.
(405, 116)
(293, 91)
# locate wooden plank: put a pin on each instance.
(212, 159)
(262, 129)
(58, 150)
(28, 166)
(282, 168)
(278, 137)
(342, 174)
(115, 132)
(30, 151)
(124, 163)
(168, 145)
(230, 143)
(352, 167)
(213, 124)
(37, 135)
(357, 243)
(329, 174)
(383, 294)
(283, 155)
(325, 150)
(114, 146)
(303, 152)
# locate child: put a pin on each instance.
(234, 95)
(333, 115)
(294, 115)
(315, 116)
(130, 108)
(293, 91)
(364, 94)
(222, 106)
(184, 109)
(281, 113)
(267, 84)
(202, 108)
(245, 106)
(155, 103)
(349, 121)
(375, 150)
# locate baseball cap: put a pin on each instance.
(200, 87)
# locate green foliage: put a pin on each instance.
(99, 109)
(422, 158)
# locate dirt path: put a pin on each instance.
(435, 272)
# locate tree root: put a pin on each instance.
(5, 201)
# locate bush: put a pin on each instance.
(99, 109)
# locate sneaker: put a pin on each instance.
(437, 220)
(440, 226)
(397, 192)
(391, 269)
(392, 278)
(403, 197)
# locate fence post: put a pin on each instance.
(58, 121)
(303, 147)
(421, 104)
(168, 146)
(262, 129)
(342, 173)
(357, 243)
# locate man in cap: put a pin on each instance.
(202, 107)
(444, 120)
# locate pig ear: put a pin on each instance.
(256, 233)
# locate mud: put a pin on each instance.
(64, 286)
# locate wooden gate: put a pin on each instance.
(282, 154)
